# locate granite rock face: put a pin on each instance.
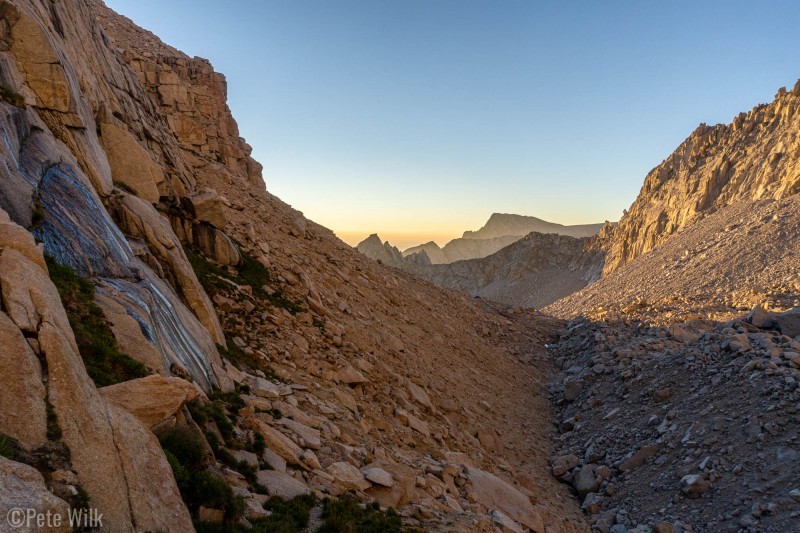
(755, 157)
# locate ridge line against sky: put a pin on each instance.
(418, 119)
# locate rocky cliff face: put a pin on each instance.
(757, 156)
(119, 159)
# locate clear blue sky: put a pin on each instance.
(419, 118)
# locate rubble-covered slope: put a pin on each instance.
(726, 262)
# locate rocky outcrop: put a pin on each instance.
(736, 258)
(140, 219)
(131, 164)
(107, 467)
(191, 96)
(153, 399)
(757, 156)
(22, 411)
(22, 488)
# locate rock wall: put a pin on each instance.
(757, 156)
(189, 93)
(108, 449)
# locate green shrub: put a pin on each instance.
(179, 472)
(346, 515)
(9, 448)
(186, 447)
(185, 451)
(288, 515)
(104, 361)
(258, 445)
(252, 273)
(53, 429)
(233, 400)
(81, 500)
(37, 215)
(216, 411)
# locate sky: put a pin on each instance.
(417, 119)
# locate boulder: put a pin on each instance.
(585, 481)
(214, 244)
(254, 510)
(418, 425)
(572, 390)
(347, 375)
(275, 440)
(152, 399)
(504, 523)
(665, 527)
(310, 436)
(420, 395)
(378, 476)
(282, 484)
(23, 487)
(131, 164)
(494, 493)
(297, 414)
(205, 205)
(262, 388)
(564, 464)
(644, 453)
(311, 459)
(694, 485)
(244, 456)
(274, 460)
(348, 476)
(403, 489)
(760, 318)
(491, 441)
(788, 322)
